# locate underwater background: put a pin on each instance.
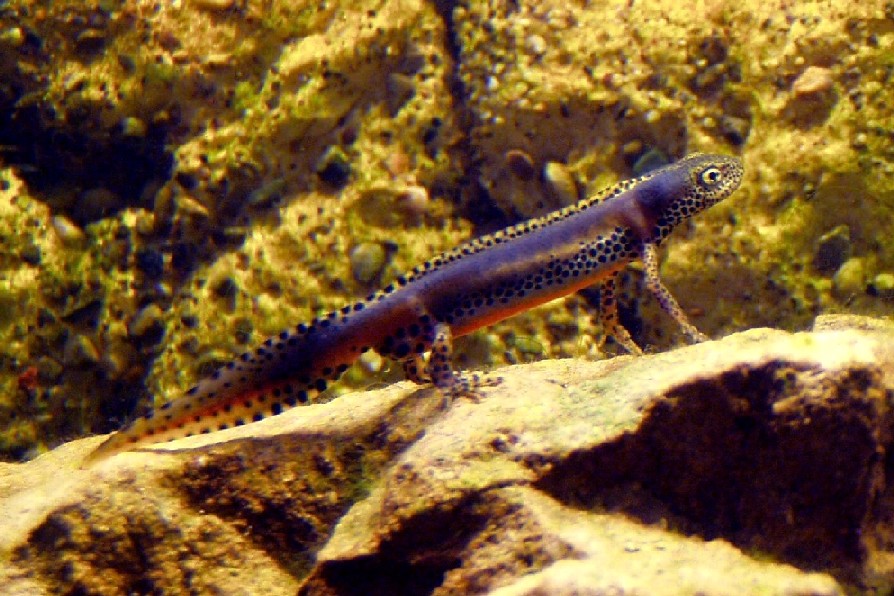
(179, 180)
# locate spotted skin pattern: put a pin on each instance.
(474, 285)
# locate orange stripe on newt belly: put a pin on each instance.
(465, 326)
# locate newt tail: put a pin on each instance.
(474, 285)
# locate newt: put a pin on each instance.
(479, 283)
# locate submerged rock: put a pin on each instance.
(663, 474)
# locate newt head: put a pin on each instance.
(675, 193)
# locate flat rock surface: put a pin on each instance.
(752, 464)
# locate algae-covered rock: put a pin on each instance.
(800, 90)
(159, 156)
(757, 459)
(150, 151)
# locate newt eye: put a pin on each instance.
(710, 176)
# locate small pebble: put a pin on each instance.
(528, 346)
(118, 359)
(133, 127)
(164, 206)
(69, 233)
(882, 285)
(850, 279)
(413, 200)
(144, 224)
(632, 148)
(367, 261)
(83, 314)
(14, 37)
(397, 163)
(815, 80)
(79, 351)
(535, 44)
(150, 319)
(561, 183)
(191, 207)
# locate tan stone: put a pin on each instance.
(742, 462)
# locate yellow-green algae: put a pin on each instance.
(41, 329)
(260, 94)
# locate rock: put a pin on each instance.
(842, 322)
(535, 45)
(606, 554)
(661, 474)
(372, 361)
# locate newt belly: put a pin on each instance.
(474, 285)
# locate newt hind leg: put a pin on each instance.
(438, 370)
(451, 383)
(416, 370)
